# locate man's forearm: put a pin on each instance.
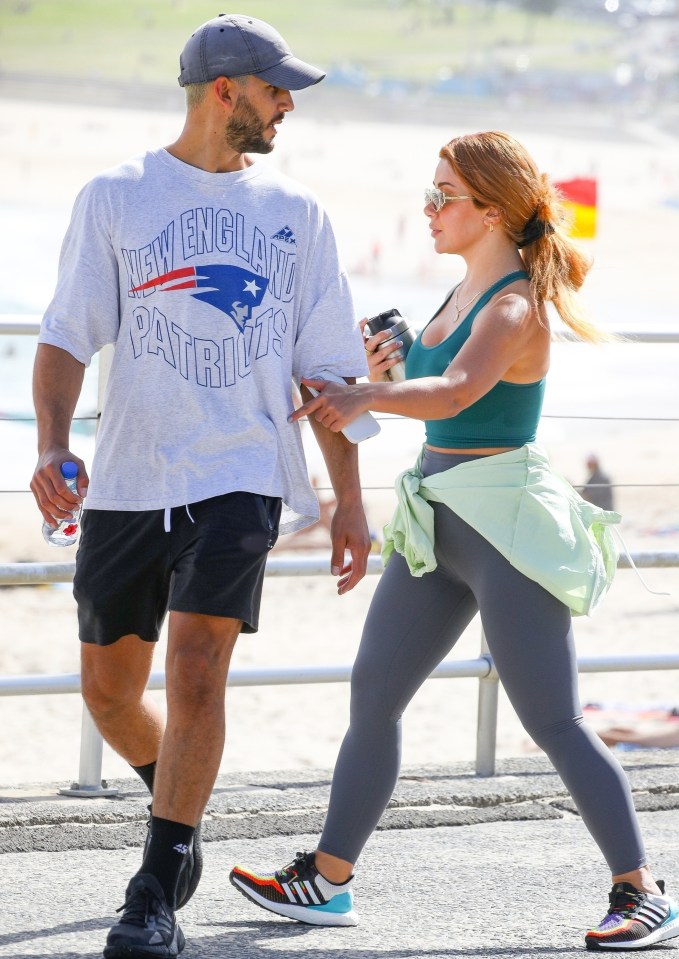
(57, 382)
(341, 460)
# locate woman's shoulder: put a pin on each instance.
(518, 327)
(513, 310)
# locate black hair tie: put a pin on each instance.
(534, 230)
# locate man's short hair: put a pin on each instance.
(195, 93)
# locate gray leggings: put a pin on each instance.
(412, 624)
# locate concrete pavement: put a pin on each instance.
(463, 866)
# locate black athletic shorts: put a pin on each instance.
(130, 570)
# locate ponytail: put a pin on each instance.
(556, 266)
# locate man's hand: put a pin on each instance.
(54, 498)
(349, 533)
(57, 381)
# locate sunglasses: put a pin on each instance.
(437, 198)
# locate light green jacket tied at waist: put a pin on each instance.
(530, 514)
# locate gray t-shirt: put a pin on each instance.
(218, 290)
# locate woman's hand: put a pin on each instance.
(335, 406)
(379, 361)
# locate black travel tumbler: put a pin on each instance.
(398, 328)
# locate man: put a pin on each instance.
(598, 489)
(218, 281)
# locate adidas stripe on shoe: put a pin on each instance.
(635, 920)
(298, 891)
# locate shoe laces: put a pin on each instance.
(299, 866)
(139, 906)
(625, 900)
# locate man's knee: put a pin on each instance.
(199, 654)
(196, 677)
(116, 675)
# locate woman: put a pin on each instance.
(476, 376)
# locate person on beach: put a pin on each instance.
(218, 282)
(598, 488)
(482, 524)
(635, 726)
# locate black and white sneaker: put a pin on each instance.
(299, 892)
(147, 928)
(635, 920)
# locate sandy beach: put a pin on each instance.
(372, 191)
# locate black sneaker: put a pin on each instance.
(192, 869)
(147, 928)
(635, 920)
(299, 892)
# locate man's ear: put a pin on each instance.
(224, 89)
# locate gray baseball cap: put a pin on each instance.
(233, 45)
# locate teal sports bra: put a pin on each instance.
(507, 415)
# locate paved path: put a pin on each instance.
(465, 867)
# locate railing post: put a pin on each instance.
(486, 729)
(90, 785)
(90, 782)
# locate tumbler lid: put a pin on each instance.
(383, 321)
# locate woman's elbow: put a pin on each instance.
(455, 399)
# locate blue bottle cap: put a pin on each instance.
(69, 469)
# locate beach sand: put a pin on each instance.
(47, 154)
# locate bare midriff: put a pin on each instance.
(487, 451)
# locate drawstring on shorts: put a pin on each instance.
(167, 517)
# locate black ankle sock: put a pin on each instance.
(147, 773)
(169, 845)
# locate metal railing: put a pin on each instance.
(90, 781)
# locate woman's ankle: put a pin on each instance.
(337, 871)
(641, 879)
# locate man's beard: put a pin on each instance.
(245, 129)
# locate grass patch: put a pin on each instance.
(140, 40)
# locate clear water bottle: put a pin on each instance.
(66, 533)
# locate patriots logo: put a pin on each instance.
(230, 289)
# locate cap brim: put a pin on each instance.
(292, 74)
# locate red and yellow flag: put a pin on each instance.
(579, 198)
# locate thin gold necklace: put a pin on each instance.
(461, 309)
